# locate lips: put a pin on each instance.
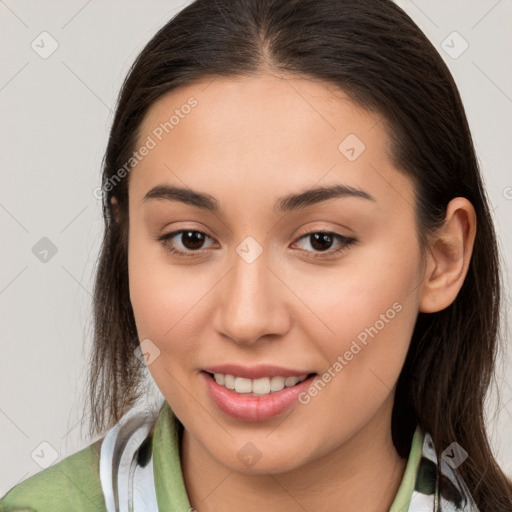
(254, 407)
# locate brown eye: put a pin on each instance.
(190, 241)
(322, 241)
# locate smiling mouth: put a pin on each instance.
(257, 387)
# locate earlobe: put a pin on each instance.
(115, 208)
(449, 254)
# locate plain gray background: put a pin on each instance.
(56, 111)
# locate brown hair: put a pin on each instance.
(374, 52)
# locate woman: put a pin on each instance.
(299, 248)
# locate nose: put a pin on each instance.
(251, 302)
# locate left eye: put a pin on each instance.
(322, 241)
(192, 241)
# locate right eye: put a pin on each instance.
(191, 240)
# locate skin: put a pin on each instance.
(247, 142)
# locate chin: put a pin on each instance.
(261, 461)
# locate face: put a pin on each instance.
(323, 288)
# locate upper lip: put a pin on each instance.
(255, 372)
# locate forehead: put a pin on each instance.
(264, 134)
(251, 107)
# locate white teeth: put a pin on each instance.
(277, 383)
(229, 381)
(262, 386)
(290, 381)
(243, 385)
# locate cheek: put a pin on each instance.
(366, 285)
(368, 308)
(167, 306)
(167, 299)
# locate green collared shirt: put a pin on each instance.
(74, 483)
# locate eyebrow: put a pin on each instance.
(283, 204)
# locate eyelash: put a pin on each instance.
(345, 242)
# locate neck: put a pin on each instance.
(363, 473)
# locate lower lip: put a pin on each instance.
(254, 408)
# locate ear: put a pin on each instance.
(115, 208)
(448, 256)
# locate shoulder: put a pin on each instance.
(73, 484)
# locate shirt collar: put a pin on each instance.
(404, 493)
(169, 485)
